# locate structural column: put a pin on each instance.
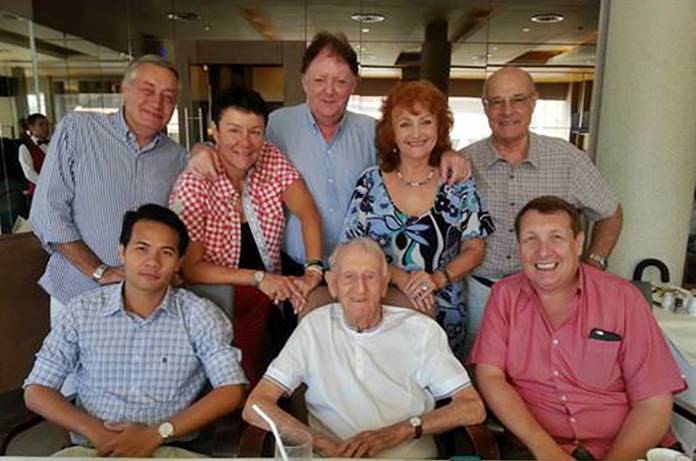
(645, 128)
(436, 55)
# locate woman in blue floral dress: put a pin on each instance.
(432, 233)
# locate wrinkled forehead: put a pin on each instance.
(357, 260)
(147, 72)
(505, 83)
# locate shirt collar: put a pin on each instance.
(123, 129)
(313, 123)
(114, 302)
(492, 156)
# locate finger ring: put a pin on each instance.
(424, 286)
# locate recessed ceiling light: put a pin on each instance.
(367, 17)
(206, 28)
(547, 18)
(494, 48)
(183, 16)
(525, 29)
(365, 30)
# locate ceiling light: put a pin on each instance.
(368, 18)
(183, 16)
(494, 48)
(547, 18)
(365, 30)
(525, 29)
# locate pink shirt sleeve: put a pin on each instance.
(647, 364)
(189, 199)
(490, 347)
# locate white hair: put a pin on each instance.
(153, 59)
(365, 244)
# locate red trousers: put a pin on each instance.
(251, 311)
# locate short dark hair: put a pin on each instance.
(159, 214)
(550, 204)
(33, 118)
(241, 98)
(337, 44)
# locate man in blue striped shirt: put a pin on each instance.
(141, 351)
(98, 167)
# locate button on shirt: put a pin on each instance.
(552, 167)
(133, 369)
(329, 169)
(358, 381)
(93, 173)
(577, 387)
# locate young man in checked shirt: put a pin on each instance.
(141, 352)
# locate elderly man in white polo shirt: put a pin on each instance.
(373, 372)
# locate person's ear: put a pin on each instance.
(215, 132)
(331, 283)
(179, 263)
(121, 253)
(303, 80)
(579, 243)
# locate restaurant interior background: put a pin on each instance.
(59, 56)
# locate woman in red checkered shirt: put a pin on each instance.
(236, 221)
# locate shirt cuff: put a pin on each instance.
(451, 386)
(280, 379)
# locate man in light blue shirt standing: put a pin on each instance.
(98, 167)
(329, 145)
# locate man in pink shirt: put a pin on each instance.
(569, 358)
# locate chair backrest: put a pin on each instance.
(24, 306)
(222, 295)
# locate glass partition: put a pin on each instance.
(70, 56)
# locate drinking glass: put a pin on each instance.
(298, 445)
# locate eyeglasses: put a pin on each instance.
(516, 102)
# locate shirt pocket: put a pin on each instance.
(600, 363)
(168, 372)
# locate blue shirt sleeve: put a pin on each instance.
(51, 211)
(59, 354)
(211, 334)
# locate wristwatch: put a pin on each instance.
(417, 424)
(258, 277)
(601, 260)
(99, 272)
(166, 430)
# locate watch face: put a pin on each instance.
(258, 277)
(415, 421)
(166, 430)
